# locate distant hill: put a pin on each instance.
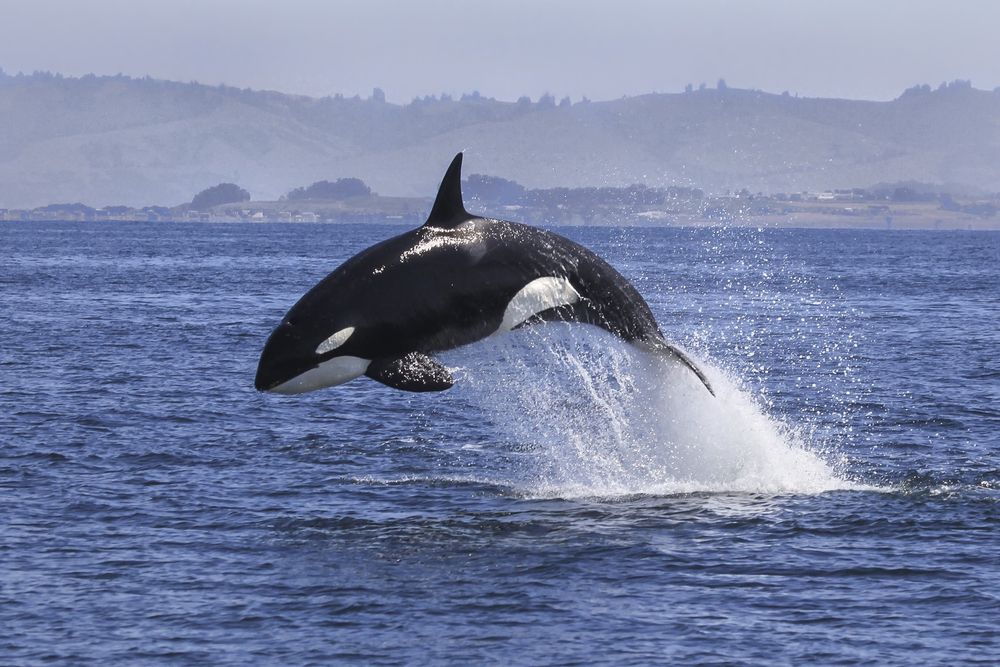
(118, 140)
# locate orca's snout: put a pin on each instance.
(282, 358)
(265, 379)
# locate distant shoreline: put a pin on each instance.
(859, 224)
(830, 210)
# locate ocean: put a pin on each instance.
(568, 502)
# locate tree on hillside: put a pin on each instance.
(493, 189)
(921, 89)
(223, 193)
(342, 188)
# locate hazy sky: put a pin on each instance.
(867, 49)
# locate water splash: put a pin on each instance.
(593, 417)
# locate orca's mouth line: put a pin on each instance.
(266, 382)
(267, 387)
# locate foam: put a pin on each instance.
(599, 418)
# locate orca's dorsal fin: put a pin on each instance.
(449, 209)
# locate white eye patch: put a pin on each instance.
(335, 341)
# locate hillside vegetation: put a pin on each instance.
(104, 140)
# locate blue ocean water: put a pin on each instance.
(568, 502)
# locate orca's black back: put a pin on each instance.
(434, 289)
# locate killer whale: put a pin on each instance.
(454, 280)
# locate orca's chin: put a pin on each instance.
(265, 386)
(329, 373)
(282, 384)
(263, 382)
(273, 375)
(287, 388)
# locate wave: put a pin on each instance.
(597, 418)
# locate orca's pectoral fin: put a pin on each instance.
(411, 372)
(672, 351)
